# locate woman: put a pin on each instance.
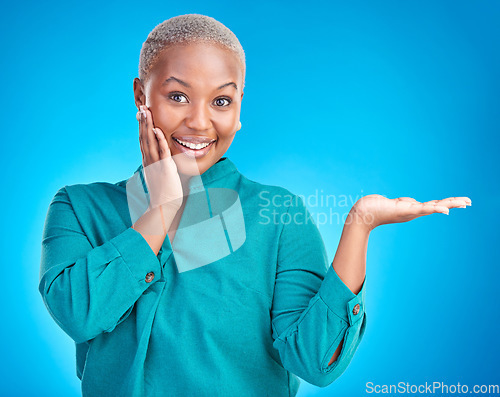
(240, 298)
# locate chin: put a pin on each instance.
(189, 166)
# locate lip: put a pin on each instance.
(196, 153)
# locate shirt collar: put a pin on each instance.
(220, 169)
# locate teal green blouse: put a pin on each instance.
(242, 305)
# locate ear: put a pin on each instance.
(139, 93)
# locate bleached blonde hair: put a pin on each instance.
(185, 29)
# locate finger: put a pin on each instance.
(466, 199)
(442, 207)
(151, 141)
(163, 149)
(432, 208)
(141, 136)
(418, 209)
(454, 202)
(411, 208)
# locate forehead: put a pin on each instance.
(197, 64)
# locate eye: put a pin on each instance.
(220, 101)
(176, 95)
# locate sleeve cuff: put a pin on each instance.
(340, 299)
(137, 255)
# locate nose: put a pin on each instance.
(198, 117)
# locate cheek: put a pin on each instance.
(166, 120)
(225, 140)
(226, 126)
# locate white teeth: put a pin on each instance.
(192, 145)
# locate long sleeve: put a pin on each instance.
(313, 310)
(90, 290)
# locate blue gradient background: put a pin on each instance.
(341, 98)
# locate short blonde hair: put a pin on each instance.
(185, 29)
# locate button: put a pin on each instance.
(150, 276)
(355, 310)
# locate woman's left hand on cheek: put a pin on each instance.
(375, 210)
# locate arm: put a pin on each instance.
(90, 290)
(151, 227)
(313, 310)
(369, 212)
(350, 259)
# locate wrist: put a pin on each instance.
(170, 206)
(150, 224)
(360, 220)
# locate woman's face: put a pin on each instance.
(194, 93)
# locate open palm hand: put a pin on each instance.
(376, 210)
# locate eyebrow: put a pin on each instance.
(172, 78)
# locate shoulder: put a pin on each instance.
(95, 191)
(101, 208)
(86, 198)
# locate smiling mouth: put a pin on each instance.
(194, 149)
(193, 146)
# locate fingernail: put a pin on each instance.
(154, 130)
